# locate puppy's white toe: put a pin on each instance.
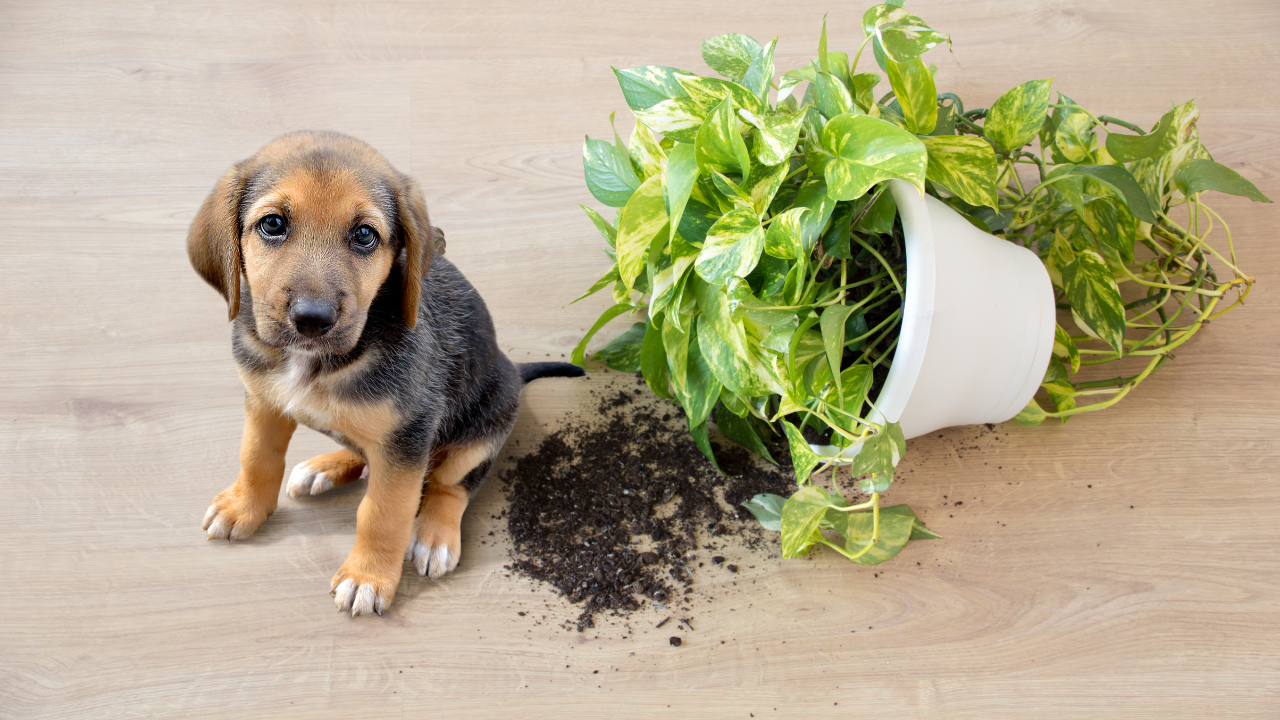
(305, 480)
(219, 527)
(344, 594)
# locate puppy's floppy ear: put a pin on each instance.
(419, 243)
(213, 242)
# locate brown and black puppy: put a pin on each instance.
(346, 320)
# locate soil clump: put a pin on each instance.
(616, 508)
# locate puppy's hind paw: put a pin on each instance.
(323, 473)
(433, 559)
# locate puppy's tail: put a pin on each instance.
(532, 371)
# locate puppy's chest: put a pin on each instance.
(312, 399)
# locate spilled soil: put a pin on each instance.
(620, 509)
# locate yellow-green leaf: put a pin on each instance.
(965, 165)
(867, 151)
(1092, 292)
(1016, 118)
(639, 222)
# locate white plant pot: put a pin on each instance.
(977, 325)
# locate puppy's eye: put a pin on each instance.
(272, 226)
(364, 238)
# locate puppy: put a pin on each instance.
(345, 319)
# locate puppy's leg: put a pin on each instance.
(437, 541)
(367, 581)
(325, 472)
(237, 511)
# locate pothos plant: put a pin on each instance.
(756, 242)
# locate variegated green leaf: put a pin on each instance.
(719, 145)
(1070, 186)
(1065, 348)
(1073, 133)
(679, 175)
(1016, 118)
(917, 95)
(607, 231)
(759, 76)
(776, 135)
(741, 431)
(1032, 414)
(609, 174)
(677, 118)
(894, 532)
(832, 324)
(815, 196)
(880, 452)
(703, 389)
(708, 92)
(717, 313)
(867, 151)
(802, 514)
(605, 281)
(732, 247)
(644, 87)
(965, 165)
(1121, 181)
(653, 358)
(1114, 226)
(783, 239)
(763, 186)
(646, 151)
(767, 508)
(640, 220)
(741, 372)
(1198, 175)
(803, 459)
(855, 382)
(864, 85)
(731, 54)
(732, 191)
(578, 357)
(669, 272)
(1058, 385)
(1128, 148)
(832, 96)
(1093, 295)
(898, 34)
(675, 343)
(623, 352)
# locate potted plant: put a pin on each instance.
(869, 269)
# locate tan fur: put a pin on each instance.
(439, 522)
(240, 509)
(341, 466)
(384, 527)
(314, 403)
(316, 260)
(213, 243)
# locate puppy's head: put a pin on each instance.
(315, 223)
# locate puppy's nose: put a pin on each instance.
(313, 318)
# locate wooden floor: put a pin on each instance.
(1124, 565)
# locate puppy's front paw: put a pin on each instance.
(325, 472)
(235, 516)
(361, 592)
(435, 549)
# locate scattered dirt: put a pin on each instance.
(617, 509)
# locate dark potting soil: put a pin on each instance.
(617, 509)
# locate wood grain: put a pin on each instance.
(1123, 565)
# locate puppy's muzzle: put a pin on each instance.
(313, 318)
